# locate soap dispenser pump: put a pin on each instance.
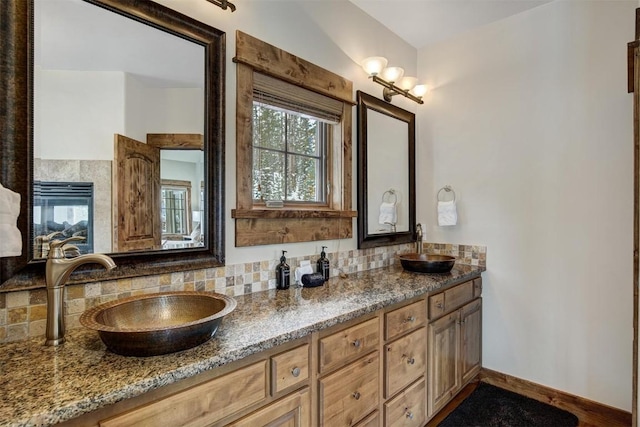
(323, 264)
(283, 273)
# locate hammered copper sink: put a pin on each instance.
(154, 324)
(427, 263)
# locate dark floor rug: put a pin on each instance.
(490, 406)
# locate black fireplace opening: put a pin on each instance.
(66, 208)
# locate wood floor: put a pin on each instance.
(582, 422)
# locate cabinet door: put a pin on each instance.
(471, 342)
(444, 376)
(292, 411)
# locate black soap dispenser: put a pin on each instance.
(323, 264)
(283, 273)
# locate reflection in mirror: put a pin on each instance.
(386, 173)
(387, 180)
(18, 130)
(124, 79)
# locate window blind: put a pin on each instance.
(280, 94)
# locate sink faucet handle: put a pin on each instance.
(57, 246)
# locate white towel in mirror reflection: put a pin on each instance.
(388, 214)
(447, 213)
(11, 241)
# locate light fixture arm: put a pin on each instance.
(391, 90)
(224, 4)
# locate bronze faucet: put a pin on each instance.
(58, 270)
(419, 238)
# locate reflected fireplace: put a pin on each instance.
(65, 208)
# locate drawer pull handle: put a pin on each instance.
(356, 395)
(295, 372)
(409, 414)
(411, 319)
(356, 343)
(411, 361)
(440, 305)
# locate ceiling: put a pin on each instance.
(424, 22)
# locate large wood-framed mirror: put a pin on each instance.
(166, 94)
(386, 173)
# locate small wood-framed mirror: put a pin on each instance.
(386, 173)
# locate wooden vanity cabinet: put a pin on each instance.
(455, 344)
(396, 367)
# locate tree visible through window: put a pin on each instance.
(289, 156)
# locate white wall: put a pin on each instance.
(66, 112)
(530, 122)
(151, 109)
(335, 35)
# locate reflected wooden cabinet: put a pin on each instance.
(455, 343)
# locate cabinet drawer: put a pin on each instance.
(372, 420)
(408, 408)
(405, 361)
(289, 368)
(293, 410)
(202, 404)
(398, 321)
(449, 300)
(349, 343)
(349, 394)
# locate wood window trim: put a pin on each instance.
(257, 225)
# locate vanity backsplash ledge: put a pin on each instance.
(23, 313)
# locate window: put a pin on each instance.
(175, 209)
(289, 156)
(293, 144)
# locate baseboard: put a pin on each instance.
(589, 412)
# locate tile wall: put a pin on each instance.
(23, 313)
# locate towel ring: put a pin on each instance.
(390, 192)
(448, 189)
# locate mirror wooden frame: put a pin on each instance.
(367, 103)
(16, 139)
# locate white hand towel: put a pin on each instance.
(388, 213)
(10, 237)
(447, 213)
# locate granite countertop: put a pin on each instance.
(43, 385)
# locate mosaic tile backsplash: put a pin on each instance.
(23, 313)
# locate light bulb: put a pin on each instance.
(392, 74)
(374, 64)
(407, 83)
(419, 90)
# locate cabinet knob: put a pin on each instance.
(409, 414)
(411, 361)
(356, 343)
(411, 319)
(356, 395)
(439, 305)
(295, 372)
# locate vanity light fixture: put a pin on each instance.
(391, 78)
(224, 4)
